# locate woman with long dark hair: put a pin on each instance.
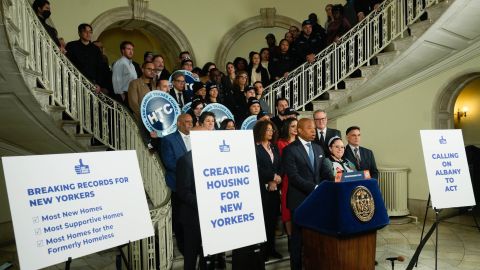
(288, 134)
(268, 164)
(256, 71)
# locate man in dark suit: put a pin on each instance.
(362, 157)
(302, 161)
(323, 134)
(174, 146)
(188, 214)
(178, 91)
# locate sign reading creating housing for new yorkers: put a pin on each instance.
(447, 168)
(71, 205)
(228, 191)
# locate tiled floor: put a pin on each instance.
(459, 248)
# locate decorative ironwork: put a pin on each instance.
(332, 65)
(97, 114)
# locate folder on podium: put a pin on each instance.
(339, 222)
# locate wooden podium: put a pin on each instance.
(339, 225)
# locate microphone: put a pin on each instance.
(399, 258)
(393, 259)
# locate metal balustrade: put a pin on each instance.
(110, 123)
(353, 50)
(98, 115)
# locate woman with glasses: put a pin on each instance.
(335, 162)
(268, 163)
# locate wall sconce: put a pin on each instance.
(462, 113)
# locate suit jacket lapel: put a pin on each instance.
(181, 142)
(303, 152)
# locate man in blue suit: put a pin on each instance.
(174, 146)
(302, 162)
(362, 157)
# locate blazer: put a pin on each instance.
(137, 89)
(302, 178)
(331, 132)
(186, 192)
(266, 168)
(367, 160)
(172, 149)
(187, 97)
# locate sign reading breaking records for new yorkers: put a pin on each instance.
(71, 205)
(447, 168)
(228, 191)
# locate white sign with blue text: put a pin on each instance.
(71, 205)
(447, 168)
(228, 190)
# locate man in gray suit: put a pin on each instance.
(302, 161)
(362, 157)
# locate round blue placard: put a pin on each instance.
(190, 78)
(159, 112)
(221, 112)
(249, 122)
(186, 107)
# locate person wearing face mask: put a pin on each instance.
(42, 10)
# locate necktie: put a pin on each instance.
(180, 100)
(311, 155)
(357, 156)
(322, 139)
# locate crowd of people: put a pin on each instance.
(237, 87)
(293, 155)
(293, 158)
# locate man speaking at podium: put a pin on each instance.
(303, 165)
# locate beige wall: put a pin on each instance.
(391, 126)
(203, 22)
(470, 125)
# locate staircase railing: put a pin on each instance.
(107, 120)
(353, 50)
(98, 115)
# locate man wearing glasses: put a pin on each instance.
(323, 134)
(178, 91)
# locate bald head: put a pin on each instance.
(306, 129)
(184, 123)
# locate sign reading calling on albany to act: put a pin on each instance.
(447, 168)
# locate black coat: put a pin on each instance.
(367, 160)
(263, 71)
(302, 178)
(304, 46)
(331, 132)
(280, 63)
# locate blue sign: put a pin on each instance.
(186, 107)
(159, 112)
(249, 122)
(190, 78)
(221, 112)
